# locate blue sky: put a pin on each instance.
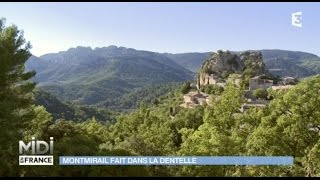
(166, 27)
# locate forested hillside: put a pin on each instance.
(105, 76)
(62, 110)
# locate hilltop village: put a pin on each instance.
(244, 70)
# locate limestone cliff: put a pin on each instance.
(221, 64)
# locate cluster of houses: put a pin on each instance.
(261, 82)
(196, 97)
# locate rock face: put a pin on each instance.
(222, 61)
(219, 65)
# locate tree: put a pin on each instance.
(85, 138)
(225, 74)
(291, 128)
(39, 125)
(216, 135)
(212, 89)
(16, 95)
(260, 93)
(185, 88)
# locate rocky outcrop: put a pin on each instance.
(221, 64)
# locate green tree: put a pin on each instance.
(185, 88)
(216, 135)
(225, 74)
(71, 138)
(39, 125)
(260, 93)
(290, 127)
(212, 89)
(16, 95)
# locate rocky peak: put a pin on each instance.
(222, 63)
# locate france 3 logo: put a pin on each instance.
(296, 19)
(36, 152)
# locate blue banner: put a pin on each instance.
(175, 160)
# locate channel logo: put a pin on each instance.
(36, 152)
(296, 19)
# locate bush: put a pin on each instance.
(185, 88)
(260, 93)
(212, 89)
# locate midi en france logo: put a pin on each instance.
(36, 152)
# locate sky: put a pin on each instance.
(165, 27)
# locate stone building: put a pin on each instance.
(207, 79)
(195, 98)
(259, 82)
(282, 87)
(289, 81)
(253, 104)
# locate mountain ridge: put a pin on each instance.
(95, 76)
(98, 76)
(298, 64)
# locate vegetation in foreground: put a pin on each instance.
(288, 126)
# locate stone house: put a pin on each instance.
(195, 98)
(253, 104)
(282, 87)
(289, 81)
(207, 79)
(259, 82)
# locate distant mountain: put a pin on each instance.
(278, 62)
(119, 78)
(191, 61)
(291, 63)
(86, 65)
(95, 76)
